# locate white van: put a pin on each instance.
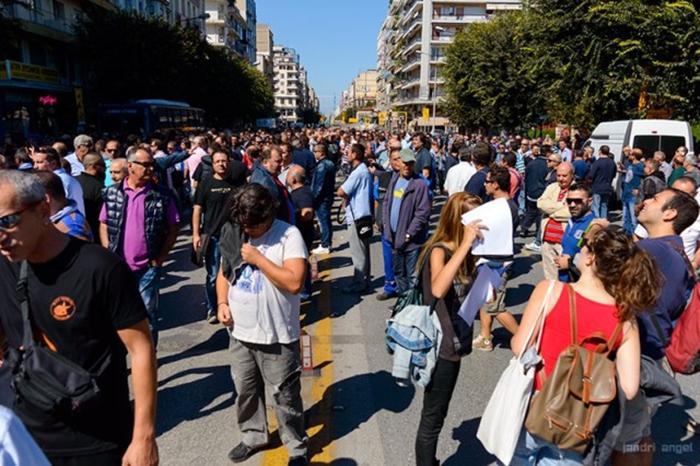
(648, 135)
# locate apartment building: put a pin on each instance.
(287, 89)
(245, 47)
(264, 43)
(41, 79)
(411, 49)
(361, 94)
(225, 26)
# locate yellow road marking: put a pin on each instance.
(318, 427)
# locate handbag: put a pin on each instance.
(363, 225)
(576, 396)
(503, 417)
(45, 379)
(197, 255)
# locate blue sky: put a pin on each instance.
(336, 39)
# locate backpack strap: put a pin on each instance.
(613, 337)
(681, 251)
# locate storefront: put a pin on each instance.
(33, 102)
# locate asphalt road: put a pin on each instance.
(356, 414)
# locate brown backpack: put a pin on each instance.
(574, 399)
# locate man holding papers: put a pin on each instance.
(497, 186)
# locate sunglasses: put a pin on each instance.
(110, 151)
(574, 201)
(10, 221)
(144, 164)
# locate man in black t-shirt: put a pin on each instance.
(303, 202)
(211, 201)
(85, 306)
(236, 174)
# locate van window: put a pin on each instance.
(651, 143)
(669, 144)
(648, 143)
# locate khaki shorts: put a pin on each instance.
(498, 305)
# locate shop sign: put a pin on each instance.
(27, 72)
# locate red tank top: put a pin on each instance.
(591, 317)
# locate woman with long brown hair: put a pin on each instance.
(446, 277)
(618, 280)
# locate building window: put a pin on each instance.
(221, 35)
(59, 10)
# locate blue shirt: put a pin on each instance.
(358, 188)
(569, 242)
(633, 180)
(580, 169)
(399, 189)
(476, 186)
(676, 285)
(72, 188)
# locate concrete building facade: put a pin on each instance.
(411, 49)
(265, 42)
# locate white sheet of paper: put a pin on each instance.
(479, 294)
(498, 239)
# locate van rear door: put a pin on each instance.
(664, 135)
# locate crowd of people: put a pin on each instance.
(87, 224)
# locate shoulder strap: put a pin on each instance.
(572, 314)
(613, 337)
(23, 292)
(681, 251)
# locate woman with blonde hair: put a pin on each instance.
(446, 276)
(618, 281)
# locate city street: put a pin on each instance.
(356, 414)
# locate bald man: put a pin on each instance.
(555, 215)
(303, 202)
(92, 181)
(118, 169)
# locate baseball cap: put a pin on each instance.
(407, 156)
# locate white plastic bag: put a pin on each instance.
(503, 418)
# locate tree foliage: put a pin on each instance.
(131, 57)
(579, 62)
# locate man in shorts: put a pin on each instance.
(497, 186)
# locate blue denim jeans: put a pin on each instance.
(389, 280)
(323, 212)
(600, 205)
(629, 220)
(532, 450)
(212, 262)
(149, 287)
(405, 269)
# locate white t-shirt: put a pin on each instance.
(458, 176)
(262, 313)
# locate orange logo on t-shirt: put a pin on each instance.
(62, 308)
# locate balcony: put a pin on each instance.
(412, 10)
(412, 64)
(414, 45)
(463, 19)
(412, 28)
(410, 84)
(42, 22)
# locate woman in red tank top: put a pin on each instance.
(618, 280)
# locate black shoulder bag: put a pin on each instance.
(45, 379)
(363, 225)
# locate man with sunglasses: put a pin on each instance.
(139, 222)
(578, 199)
(84, 305)
(82, 145)
(110, 153)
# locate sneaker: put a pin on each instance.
(242, 452)
(482, 344)
(211, 318)
(320, 250)
(534, 247)
(298, 461)
(383, 296)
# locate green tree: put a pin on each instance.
(487, 80)
(602, 55)
(130, 57)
